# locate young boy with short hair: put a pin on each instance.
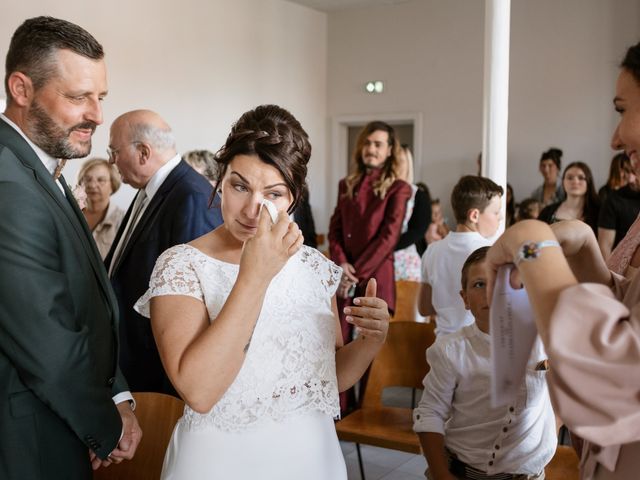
(477, 207)
(462, 436)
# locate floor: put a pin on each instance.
(381, 463)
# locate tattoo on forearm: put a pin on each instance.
(246, 347)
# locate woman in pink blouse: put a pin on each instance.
(587, 316)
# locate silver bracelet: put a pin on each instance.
(530, 250)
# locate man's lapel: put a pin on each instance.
(123, 224)
(155, 204)
(30, 160)
(81, 227)
(68, 205)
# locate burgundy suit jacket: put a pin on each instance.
(364, 231)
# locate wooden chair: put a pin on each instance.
(407, 293)
(563, 465)
(157, 414)
(400, 363)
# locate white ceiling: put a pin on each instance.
(334, 5)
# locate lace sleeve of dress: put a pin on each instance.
(327, 272)
(173, 274)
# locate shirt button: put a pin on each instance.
(491, 463)
(511, 409)
(418, 417)
(505, 429)
(595, 449)
(493, 455)
(497, 447)
(348, 235)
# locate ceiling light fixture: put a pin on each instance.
(375, 86)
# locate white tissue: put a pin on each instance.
(271, 208)
(513, 332)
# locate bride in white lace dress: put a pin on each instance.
(246, 324)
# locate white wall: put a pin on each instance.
(564, 64)
(200, 64)
(430, 55)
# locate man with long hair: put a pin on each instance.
(367, 221)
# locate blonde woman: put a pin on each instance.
(406, 259)
(101, 180)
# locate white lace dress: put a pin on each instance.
(276, 418)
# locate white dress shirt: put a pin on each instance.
(149, 190)
(48, 161)
(50, 164)
(154, 183)
(456, 402)
(441, 268)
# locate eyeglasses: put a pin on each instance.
(112, 153)
(580, 178)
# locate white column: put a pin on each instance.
(496, 92)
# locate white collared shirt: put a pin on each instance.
(158, 178)
(456, 402)
(48, 161)
(441, 268)
(150, 189)
(156, 181)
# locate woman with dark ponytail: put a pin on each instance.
(551, 190)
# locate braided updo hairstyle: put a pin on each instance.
(277, 138)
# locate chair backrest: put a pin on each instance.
(563, 465)
(401, 362)
(407, 293)
(157, 415)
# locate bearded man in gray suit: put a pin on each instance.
(64, 406)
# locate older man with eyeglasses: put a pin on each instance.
(172, 206)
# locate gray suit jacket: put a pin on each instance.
(58, 327)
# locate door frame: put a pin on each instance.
(339, 142)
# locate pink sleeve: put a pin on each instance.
(594, 353)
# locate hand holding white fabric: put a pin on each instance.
(268, 251)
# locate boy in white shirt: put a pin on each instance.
(462, 436)
(477, 207)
